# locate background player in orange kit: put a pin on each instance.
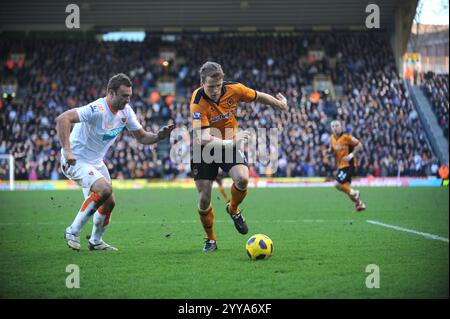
(344, 146)
(213, 108)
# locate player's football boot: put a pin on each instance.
(239, 220)
(210, 245)
(73, 240)
(360, 206)
(100, 246)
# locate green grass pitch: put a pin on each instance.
(321, 247)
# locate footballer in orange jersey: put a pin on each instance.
(213, 116)
(344, 146)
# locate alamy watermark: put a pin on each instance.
(73, 19)
(373, 19)
(373, 280)
(73, 280)
(261, 148)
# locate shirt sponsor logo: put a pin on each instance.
(112, 134)
(220, 117)
(337, 148)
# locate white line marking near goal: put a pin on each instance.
(435, 237)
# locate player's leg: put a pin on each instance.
(102, 218)
(100, 191)
(347, 189)
(204, 175)
(239, 175)
(343, 184)
(355, 196)
(206, 212)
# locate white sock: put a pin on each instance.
(80, 220)
(352, 193)
(83, 216)
(97, 228)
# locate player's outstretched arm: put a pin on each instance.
(63, 123)
(279, 101)
(145, 137)
(203, 137)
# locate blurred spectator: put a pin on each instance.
(443, 171)
(436, 88)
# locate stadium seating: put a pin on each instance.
(435, 87)
(62, 74)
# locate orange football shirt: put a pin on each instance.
(342, 146)
(220, 114)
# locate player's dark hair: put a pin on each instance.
(211, 69)
(117, 80)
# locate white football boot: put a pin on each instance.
(100, 246)
(73, 240)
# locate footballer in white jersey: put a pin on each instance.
(99, 127)
(96, 127)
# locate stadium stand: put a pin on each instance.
(370, 99)
(435, 87)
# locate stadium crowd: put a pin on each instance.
(435, 87)
(62, 74)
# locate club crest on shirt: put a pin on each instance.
(230, 102)
(124, 119)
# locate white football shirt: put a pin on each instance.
(98, 129)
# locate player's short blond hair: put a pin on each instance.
(211, 69)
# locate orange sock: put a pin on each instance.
(107, 214)
(91, 203)
(224, 194)
(237, 196)
(207, 219)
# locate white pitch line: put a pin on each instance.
(435, 237)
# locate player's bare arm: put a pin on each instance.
(279, 101)
(203, 137)
(145, 137)
(63, 124)
(357, 148)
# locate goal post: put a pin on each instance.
(10, 159)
